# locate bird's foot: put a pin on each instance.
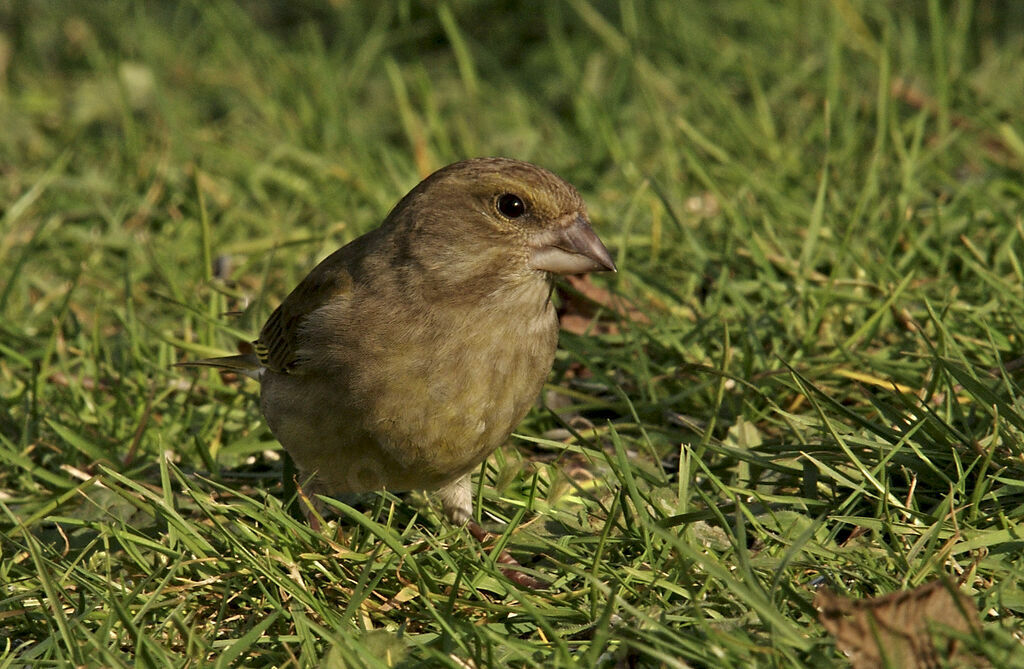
(511, 570)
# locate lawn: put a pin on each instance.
(807, 372)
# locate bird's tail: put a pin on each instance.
(246, 363)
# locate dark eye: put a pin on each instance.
(511, 205)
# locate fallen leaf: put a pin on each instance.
(579, 310)
(901, 630)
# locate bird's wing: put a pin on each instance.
(280, 339)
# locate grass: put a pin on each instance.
(815, 206)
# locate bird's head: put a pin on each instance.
(487, 218)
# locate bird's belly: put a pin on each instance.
(459, 404)
(418, 417)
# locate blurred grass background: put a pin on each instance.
(816, 208)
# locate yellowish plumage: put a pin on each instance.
(407, 356)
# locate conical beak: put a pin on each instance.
(571, 249)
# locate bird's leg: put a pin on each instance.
(457, 501)
(504, 557)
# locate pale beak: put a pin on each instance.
(571, 249)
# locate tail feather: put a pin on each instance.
(247, 363)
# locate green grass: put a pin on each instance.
(816, 205)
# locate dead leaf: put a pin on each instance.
(579, 312)
(901, 630)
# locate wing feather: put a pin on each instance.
(280, 340)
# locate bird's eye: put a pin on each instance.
(511, 205)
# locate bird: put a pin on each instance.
(407, 356)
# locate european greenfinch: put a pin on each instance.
(408, 355)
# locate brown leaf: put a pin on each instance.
(578, 313)
(899, 630)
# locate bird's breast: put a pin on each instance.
(415, 395)
(466, 386)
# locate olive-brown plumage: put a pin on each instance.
(407, 356)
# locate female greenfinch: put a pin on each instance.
(408, 355)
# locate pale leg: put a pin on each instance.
(457, 499)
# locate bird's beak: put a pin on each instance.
(570, 249)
